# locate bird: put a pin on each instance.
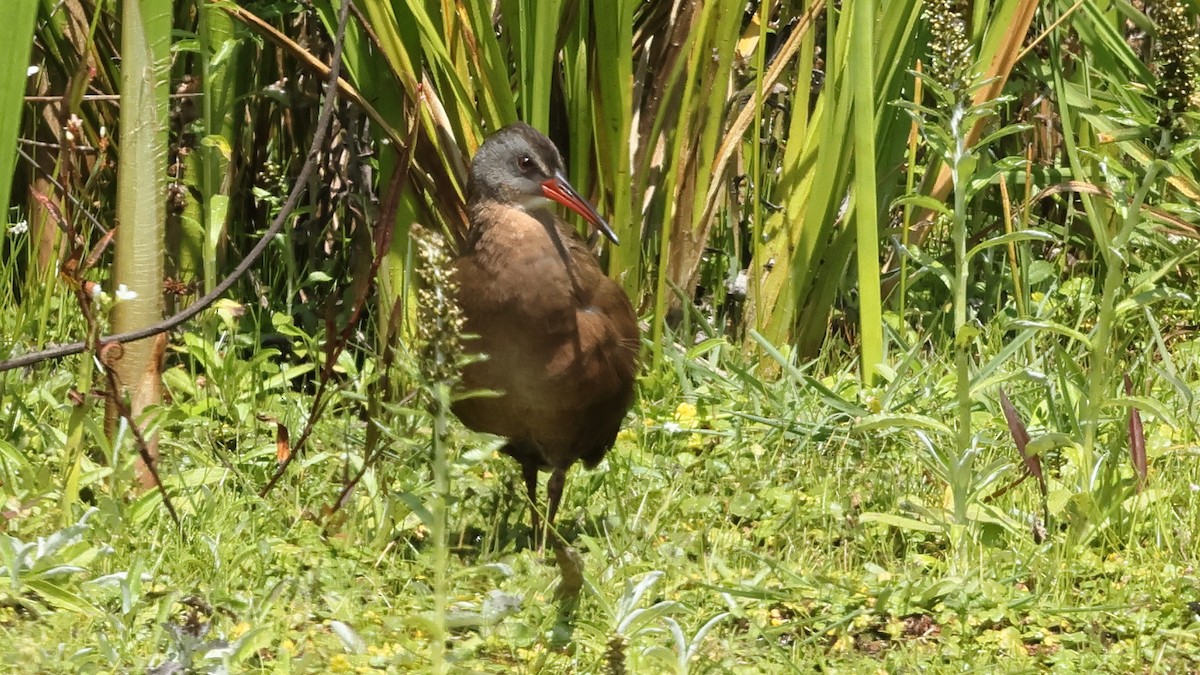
(559, 338)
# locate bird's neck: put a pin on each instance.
(486, 215)
(502, 233)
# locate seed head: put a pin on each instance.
(614, 655)
(949, 49)
(1174, 57)
(439, 318)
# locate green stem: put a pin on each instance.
(1098, 375)
(866, 212)
(441, 551)
(961, 468)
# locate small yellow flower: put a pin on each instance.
(339, 664)
(239, 630)
(531, 653)
(685, 413)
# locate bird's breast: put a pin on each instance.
(559, 336)
(515, 276)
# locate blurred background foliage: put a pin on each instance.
(717, 136)
(940, 197)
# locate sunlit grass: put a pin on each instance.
(763, 510)
(745, 501)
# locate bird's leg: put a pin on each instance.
(568, 559)
(554, 490)
(529, 471)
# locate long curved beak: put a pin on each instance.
(560, 190)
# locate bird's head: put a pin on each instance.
(518, 166)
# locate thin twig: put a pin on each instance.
(102, 98)
(318, 139)
(122, 405)
(368, 461)
(76, 201)
(383, 242)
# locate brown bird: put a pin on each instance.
(561, 338)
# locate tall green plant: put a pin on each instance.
(141, 209)
(14, 57)
(1147, 160)
(222, 55)
(441, 357)
(808, 241)
(946, 127)
(690, 135)
(609, 73)
(861, 64)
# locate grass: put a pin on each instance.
(749, 512)
(761, 512)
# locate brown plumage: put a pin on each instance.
(561, 337)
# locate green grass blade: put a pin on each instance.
(14, 64)
(613, 122)
(866, 213)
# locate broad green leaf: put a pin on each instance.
(15, 72)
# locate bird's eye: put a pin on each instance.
(525, 162)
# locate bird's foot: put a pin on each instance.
(570, 565)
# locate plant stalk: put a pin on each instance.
(961, 470)
(1100, 363)
(441, 538)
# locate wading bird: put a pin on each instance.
(561, 338)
